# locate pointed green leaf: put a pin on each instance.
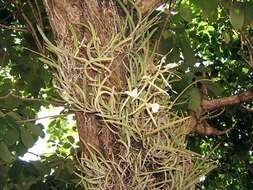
(214, 87)
(195, 99)
(236, 16)
(71, 139)
(5, 153)
(226, 37)
(27, 138)
(184, 82)
(67, 145)
(37, 131)
(209, 8)
(187, 50)
(248, 13)
(11, 136)
(185, 12)
(21, 149)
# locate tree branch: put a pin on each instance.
(30, 28)
(246, 96)
(202, 127)
(12, 27)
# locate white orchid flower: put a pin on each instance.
(154, 107)
(133, 93)
(171, 66)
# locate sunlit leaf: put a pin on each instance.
(209, 8)
(226, 37)
(67, 145)
(71, 139)
(185, 12)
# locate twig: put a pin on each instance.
(211, 115)
(55, 102)
(33, 154)
(33, 31)
(11, 27)
(39, 14)
(166, 22)
(33, 10)
(36, 13)
(45, 117)
(247, 109)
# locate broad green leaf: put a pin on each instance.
(38, 186)
(173, 56)
(214, 87)
(237, 16)
(248, 13)
(20, 149)
(195, 99)
(16, 169)
(5, 153)
(27, 138)
(37, 131)
(70, 166)
(184, 82)
(5, 86)
(43, 168)
(3, 175)
(66, 145)
(166, 44)
(71, 139)
(11, 136)
(209, 8)
(185, 12)
(226, 37)
(187, 51)
(14, 115)
(226, 3)
(10, 102)
(63, 174)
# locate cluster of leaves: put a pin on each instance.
(206, 37)
(25, 85)
(203, 37)
(63, 136)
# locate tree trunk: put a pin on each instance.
(66, 14)
(127, 142)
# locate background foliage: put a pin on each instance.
(203, 36)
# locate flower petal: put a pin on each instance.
(154, 107)
(171, 66)
(133, 93)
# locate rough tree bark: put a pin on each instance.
(227, 101)
(64, 14)
(100, 13)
